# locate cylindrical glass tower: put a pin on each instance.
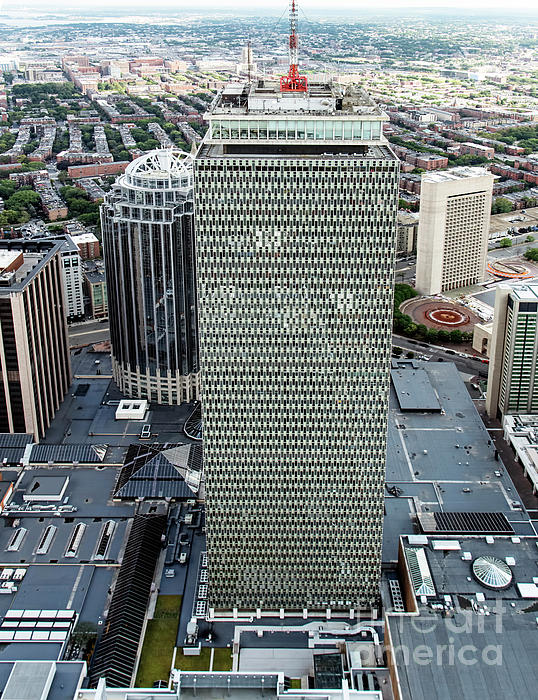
(148, 246)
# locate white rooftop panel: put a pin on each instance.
(527, 590)
(40, 636)
(22, 636)
(58, 636)
(446, 545)
(417, 539)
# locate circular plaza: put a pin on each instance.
(440, 314)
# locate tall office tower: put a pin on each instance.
(148, 246)
(513, 366)
(453, 229)
(35, 370)
(295, 214)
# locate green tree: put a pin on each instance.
(456, 336)
(422, 331)
(529, 239)
(443, 336)
(531, 254)
(23, 199)
(505, 243)
(501, 205)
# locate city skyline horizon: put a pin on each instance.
(312, 7)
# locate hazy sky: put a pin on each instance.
(271, 5)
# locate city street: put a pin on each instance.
(466, 365)
(88, 332)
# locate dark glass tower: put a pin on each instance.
(148, 244)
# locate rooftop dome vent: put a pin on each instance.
(492, 572)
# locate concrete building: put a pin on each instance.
(72, 279)
(34, 349)
(406, 238)
(148, 246)
(296, 199)
(513, 368)
(95, 286)
(482, 333)
(453, 229)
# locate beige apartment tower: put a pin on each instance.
(513, 367)
(35, 370)
(453, 229)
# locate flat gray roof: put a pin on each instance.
(46, 486)
(443, 461)
(29, 680)
(469, 654)
(414, 390)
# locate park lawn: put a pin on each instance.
(159, 642)
(222, 661)
(193, 663)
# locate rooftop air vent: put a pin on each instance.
(492, 572)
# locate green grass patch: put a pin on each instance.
(295, 683)
(222, 661)
(193, 663)
(159, 642)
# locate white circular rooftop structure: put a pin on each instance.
(162, 169)
(492, 572)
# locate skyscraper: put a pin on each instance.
(35, 369)
(452, 242)
(513, 368)
(148, 247)
(295, 206)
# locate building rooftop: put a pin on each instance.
(443, 461)
(414, 389)
(36, 254)
(160, 169)
(469, 640)
(40, 680)
(524, 292)
(380, 152)
(321, 99)
(455, 174)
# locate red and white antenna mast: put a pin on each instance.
(293, 82)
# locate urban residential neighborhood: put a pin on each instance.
(268, 351)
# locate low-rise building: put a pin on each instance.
(482, 334)
(87, 244)
(477, 149)
(96, 169)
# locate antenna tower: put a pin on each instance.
(293, 82)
